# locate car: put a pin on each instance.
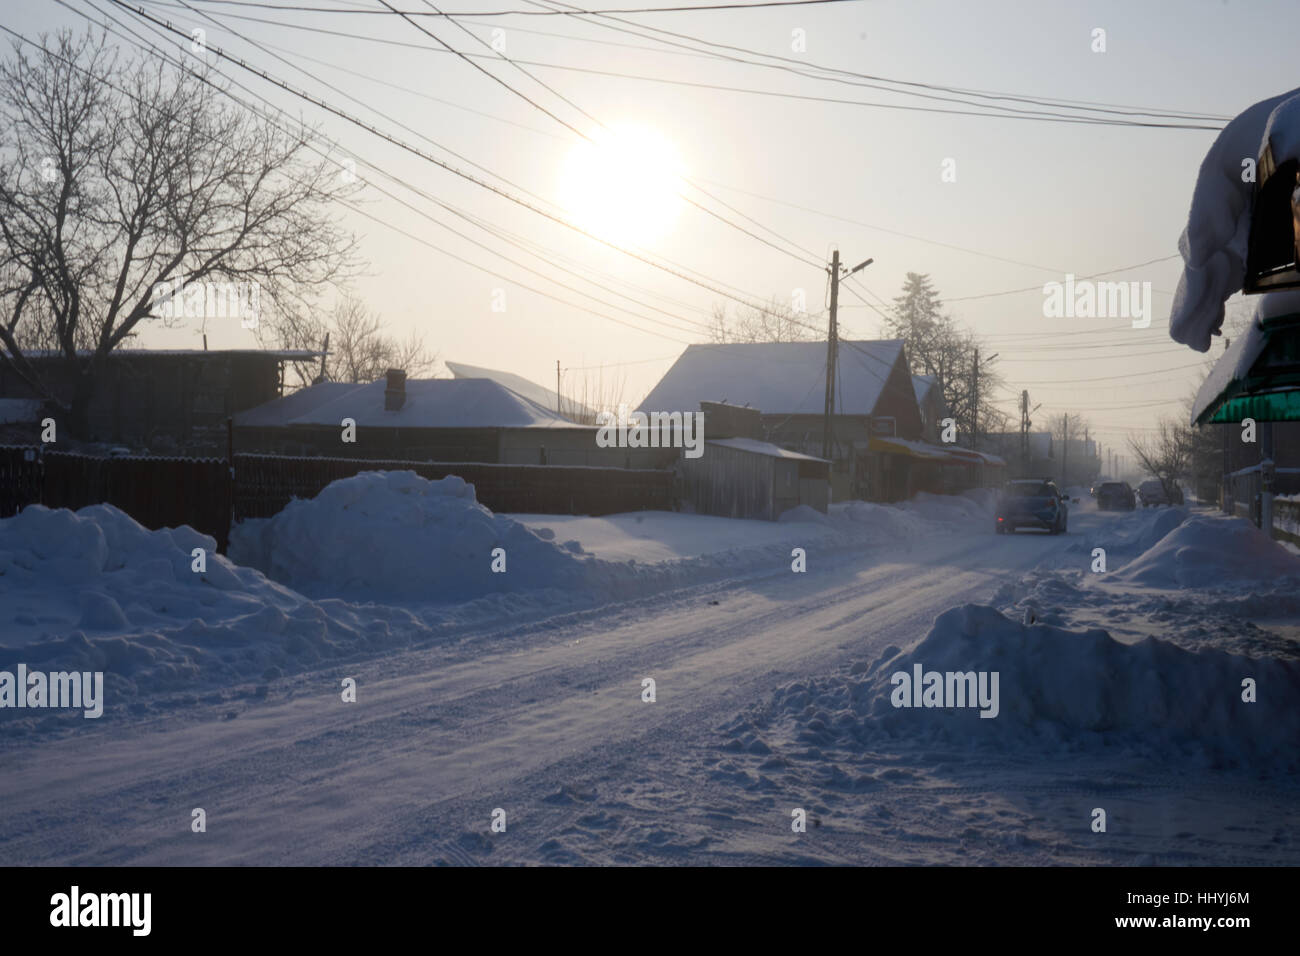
(1153, 494)
(1031, 503)
(1115, 496)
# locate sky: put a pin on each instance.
(986, 205)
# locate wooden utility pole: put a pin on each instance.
(1065, 451)
(832, 345)
(975, 400)
(557, 388)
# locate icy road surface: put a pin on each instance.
(545, 720)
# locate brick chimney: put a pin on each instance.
(395, 391)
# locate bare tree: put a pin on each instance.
(1166, 454)
(125, 187)
(774, 321)
(591, 395)
(361, 352)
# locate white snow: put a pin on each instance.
(773, 377)
(1210, 551)
(1214, 243)
(1061, 690)
(772, 693)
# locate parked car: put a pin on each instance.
(1153, 494)
(1115, 496)
(1032, 503)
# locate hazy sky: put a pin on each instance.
(1054, 197)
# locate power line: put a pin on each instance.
(758, 4)
(416, 151)
(403, 232)
(1056, 103)
(1074, 120)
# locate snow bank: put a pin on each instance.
(948, 509)
(1214, 243)
(1060, 690)
(94, 590)
(394, 535)
(1134, 533)
(1208, 551)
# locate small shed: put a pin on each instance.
(746, 478)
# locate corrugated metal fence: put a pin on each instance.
(202, 493)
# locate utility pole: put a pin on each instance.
(1024, 431)
(557, 388)
(832, 346)
(1065, 450)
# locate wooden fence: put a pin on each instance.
(206, 493)
(264, 484)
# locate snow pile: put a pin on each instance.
(394, 535)
(1214, 243)
(878, 522)
(1134, 533)
(1207, 551)
(947, 509)
(1057, 689)
(94, 590)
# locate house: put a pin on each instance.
(929, 399)
(442, 420)
(874, 401)
(1252, 396)
(164, 399)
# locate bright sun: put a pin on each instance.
(624, 185)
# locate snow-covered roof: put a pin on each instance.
(782, 378)
(922, 384)
(521, 386)
(1214, 243)
(1244, 351)
(287, 355)
(905, 446)
(761, 448)
(430, 403)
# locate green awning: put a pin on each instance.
(1271, 407)
(1259, 377)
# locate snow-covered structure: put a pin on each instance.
(874, 400)
(1242, 233)
(446, 420)
(547, 398)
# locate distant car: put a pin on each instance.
(1115, 496)
(1031, 503)
(1153, 495)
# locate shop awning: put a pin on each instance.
(1258, 377)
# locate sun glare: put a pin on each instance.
(624, 185)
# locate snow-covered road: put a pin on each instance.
(545, 720)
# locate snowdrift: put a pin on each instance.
(1210, 551)
(1136, 533)
(1058, 690)
(93, 590)
(397, 536)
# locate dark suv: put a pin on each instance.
(1115, 496)
(1032, 503)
